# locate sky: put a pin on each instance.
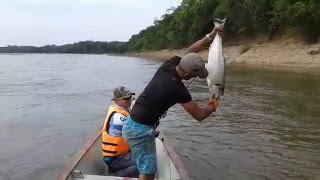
(47, 22)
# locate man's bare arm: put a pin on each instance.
(200, 113)
(204, 42)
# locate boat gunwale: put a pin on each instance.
(175, 159)
(69, 167)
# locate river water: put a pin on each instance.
(267, 125)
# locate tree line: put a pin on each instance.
(82, 47)
(181, 26)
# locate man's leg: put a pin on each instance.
(146, 159)
(141, 139)
(124, 166)
(130, 171)
(146, 177)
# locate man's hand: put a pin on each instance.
(156, 133)
(216, 30)
(163, 115)
(205, 41)
(213, 103)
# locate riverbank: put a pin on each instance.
(286, 53)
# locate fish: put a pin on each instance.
(216, 64)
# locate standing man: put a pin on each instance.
(115, 150)
(163, 91)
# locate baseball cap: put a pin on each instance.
(193, 64)
(121, 93)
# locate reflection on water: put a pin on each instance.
(267, 125)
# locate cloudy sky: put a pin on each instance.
(42, 22)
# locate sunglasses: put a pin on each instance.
(128, 98)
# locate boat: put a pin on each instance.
(87, 163)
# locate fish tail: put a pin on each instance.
(219, 22)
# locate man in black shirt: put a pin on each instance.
(163, 91)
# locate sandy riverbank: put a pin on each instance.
(287, 53)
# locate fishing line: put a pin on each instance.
(191, 82)
(216, 97)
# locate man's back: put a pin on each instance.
(163, 91)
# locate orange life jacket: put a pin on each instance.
(113, 146)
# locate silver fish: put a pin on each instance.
(216, 64)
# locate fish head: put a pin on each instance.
(216, 90)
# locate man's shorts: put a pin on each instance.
(141, 139)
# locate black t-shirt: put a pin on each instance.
(163, 91)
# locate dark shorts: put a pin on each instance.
(123, 166)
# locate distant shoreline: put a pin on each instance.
(284, 53)
(280, 53)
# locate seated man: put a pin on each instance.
(115, 150)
